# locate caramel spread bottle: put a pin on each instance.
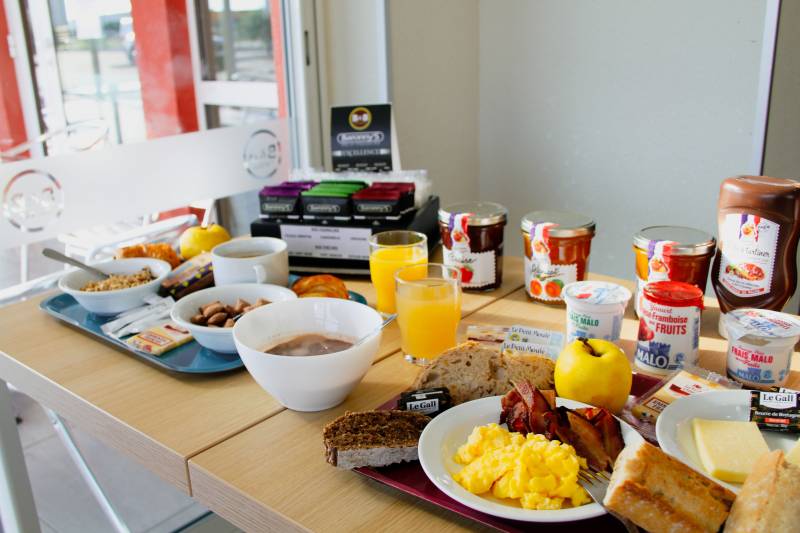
(759, 225)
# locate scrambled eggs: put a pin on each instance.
(540, 473)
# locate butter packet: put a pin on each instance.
(776, 410)
(160, 339)
(677, 384)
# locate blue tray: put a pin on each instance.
(191, 358)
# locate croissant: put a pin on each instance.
(322, 285)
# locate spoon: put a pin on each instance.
(58, 256)
(385, 323)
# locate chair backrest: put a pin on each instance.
(43, 197)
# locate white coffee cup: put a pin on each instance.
(259, 259)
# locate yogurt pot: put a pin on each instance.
(669, 326)
(595, 309)
(760, 346)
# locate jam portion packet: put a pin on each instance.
(679, 383)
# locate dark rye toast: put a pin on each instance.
(373, 438)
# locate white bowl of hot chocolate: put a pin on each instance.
(302, 351)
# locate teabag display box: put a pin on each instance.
(327, 218)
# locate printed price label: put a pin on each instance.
(327, 242)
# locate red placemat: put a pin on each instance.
(411, 479)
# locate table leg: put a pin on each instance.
(17, 509)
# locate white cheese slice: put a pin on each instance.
(727, 448)
(794, 454)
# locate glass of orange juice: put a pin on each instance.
(390, 251)
(428, 310)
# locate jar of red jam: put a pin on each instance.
(472, 236)
(672, 253)
(557, 246)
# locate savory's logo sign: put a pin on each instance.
(32, 200)
(360, 118)
(262, 154)
(364, 137)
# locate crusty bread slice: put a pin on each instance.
(466, 370)
(769, 499)
(662, 495)
(373, 438)
(517, 366)
(475, 370)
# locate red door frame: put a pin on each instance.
(165, 68)
(276, 23)
(12, 117)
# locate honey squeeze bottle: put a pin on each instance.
(759, 225)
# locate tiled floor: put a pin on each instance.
(64, 502)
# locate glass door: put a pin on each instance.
(255, 60)
(240, 78)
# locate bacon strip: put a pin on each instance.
(593, 432)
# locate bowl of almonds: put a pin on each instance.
(210, 314)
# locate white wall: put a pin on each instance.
(629, 111)
(426, 64)
(353, 57)
(781, 152)
(434, 88)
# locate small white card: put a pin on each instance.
(327, 242)
(534, 340)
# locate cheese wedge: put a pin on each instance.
(727, 448)
(794, 454)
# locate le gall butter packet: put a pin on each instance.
(776, 410)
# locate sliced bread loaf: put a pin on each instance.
(769, 497)
(373, 438)
(475, 370)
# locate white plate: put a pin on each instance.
(444, 434)
(674, 425)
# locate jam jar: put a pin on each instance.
(472, 236)
(672, 253)
(557, 246)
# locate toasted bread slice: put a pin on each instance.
(662, 495)
(769, 497)
(373, 438)
(475, 370)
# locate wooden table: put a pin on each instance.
(236, 478)
(158, 418)
(226, 442)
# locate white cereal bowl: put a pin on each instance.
(107, 303)
(221, 339)
(311, 383)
